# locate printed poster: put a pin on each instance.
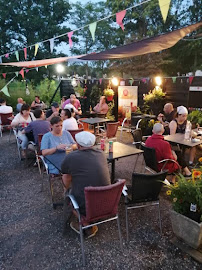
(127, 101)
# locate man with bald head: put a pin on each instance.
(163, 149)
(168, 116)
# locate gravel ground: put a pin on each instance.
(31, 230)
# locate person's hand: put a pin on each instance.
(55, 113)
(174, 155)
(160, 117)
(61, 146)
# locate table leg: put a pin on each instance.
(112, 171)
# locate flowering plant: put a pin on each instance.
(80, 91)
(108, 92)
(186, 195)
(154, 95)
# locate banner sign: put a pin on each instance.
(195, 88)
(127, 101)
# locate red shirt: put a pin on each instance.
(163, 151)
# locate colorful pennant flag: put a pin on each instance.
(0, 59)
(70, 38)
(46, 66)
(131, 82)
(25, 53)
(174, 79)
(22, 73)
(51, 44)
(5, 91)
(191, 79)
(100, 80)
(26, 70)
(119, 18)
(37, 69)
(92, 28)
(36, 49)
(17, 55)
(164, 7)
(4, 75)
(16, 73)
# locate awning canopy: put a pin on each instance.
(149, 45)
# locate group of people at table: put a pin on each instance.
(87, 166)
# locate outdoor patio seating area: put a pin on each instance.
(32, 233)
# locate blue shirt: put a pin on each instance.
(51, 141)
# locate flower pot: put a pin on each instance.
(187, 229)
(110, 98)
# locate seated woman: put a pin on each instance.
(69, 122)
(55, 141)
(21, 120)
(178, 125)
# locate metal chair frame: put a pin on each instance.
(144, 202)
(81, 227)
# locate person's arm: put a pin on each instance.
(96, 108)
(15, 121)
(33, 105)
(67, 180)
(52, 115)
(172, 127)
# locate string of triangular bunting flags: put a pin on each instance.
(163, 4)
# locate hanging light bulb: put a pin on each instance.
(115, 81)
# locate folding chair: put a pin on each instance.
(75, 131)
(151, 162)
(101, 206)
(17, 143)
(5, 122)
(144, 193)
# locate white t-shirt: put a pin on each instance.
(6, 109)
(69, 124)
(70, 106)
(19, 119)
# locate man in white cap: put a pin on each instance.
(82, 168)
(178, 125)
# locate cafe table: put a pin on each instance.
(95, 121)
(120, 150)
(178, 138)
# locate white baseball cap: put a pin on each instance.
(182, 110)
(85, 138)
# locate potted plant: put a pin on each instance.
(154, 99)
(186, 216)
(109, 94)
(195, 117)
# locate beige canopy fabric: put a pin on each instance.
(149, 45)
(40, 63)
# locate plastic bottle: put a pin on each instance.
(187, 135)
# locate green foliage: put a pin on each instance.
(110, 111)
(154, 95)
(96, 93)
(186, 192)
(80, 90)
(195, 117)
(45, 90)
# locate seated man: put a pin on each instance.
(74, 101)
(163, 149)
(102, 106)
(54, 111)
(168, 116)
(56, 140)
(4, 109)
(39, 126)
(37, 104)
(19, 104)
(82, 168)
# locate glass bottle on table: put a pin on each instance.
(187, 135)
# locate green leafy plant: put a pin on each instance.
(80, 90)
(154, 95)
(186, 195)
(195, 117)
(108, 92)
